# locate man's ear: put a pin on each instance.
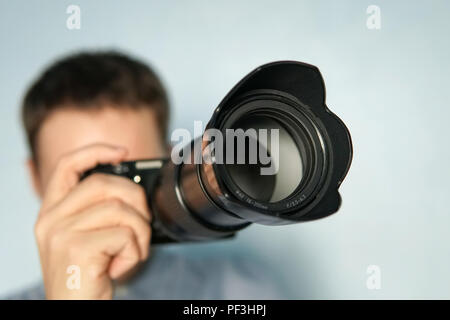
(35, 177)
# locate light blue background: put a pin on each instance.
(390, 86)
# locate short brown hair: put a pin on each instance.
(87, 80)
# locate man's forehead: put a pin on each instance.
(68, 129)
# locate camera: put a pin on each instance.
(206, 200)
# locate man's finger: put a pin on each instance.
(113, 249)
(113, 214)
(69, 168)
(101, 187)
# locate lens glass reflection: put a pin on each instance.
(285, 161)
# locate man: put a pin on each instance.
(105, 107)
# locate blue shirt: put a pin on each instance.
(187, 274)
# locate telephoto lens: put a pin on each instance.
(234, 175)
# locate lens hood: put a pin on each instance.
(294, 94)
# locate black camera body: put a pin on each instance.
(204, 201)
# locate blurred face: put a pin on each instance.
(68, 129)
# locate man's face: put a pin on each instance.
(70, 128)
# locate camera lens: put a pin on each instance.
(298, 158)
(273, 179)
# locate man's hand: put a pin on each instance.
(101, 225)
